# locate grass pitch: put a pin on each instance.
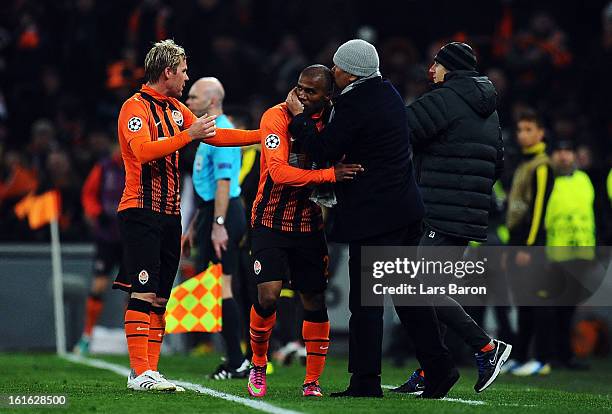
(91, 390)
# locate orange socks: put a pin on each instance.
(137, 321)
(488, 347)
(93, 308)
(315, 331)
(261, 330)
(156, 335)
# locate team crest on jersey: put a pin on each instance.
(257, 267)
(272, 141)
(178, 117)
(134, 124)
(143, 277)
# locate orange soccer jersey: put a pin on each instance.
(286, 178)
(152, 182)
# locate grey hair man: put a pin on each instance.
(382, 207)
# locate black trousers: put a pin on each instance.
(564, 316)
(366, 323)
(536, 324)
(448, 310)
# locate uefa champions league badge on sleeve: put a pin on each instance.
(272, 141)
(134, 124)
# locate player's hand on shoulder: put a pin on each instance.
(203, 127)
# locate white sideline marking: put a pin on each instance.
(518, 405)
(121, 370)
(459, 400)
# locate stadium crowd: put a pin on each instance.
(67, 66)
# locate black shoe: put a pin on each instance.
(352, 392)
(576, 365)
(414, 385)
(439, 389)
(223, 372)
(489, 363)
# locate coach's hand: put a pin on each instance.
(346, 172)
(203, 127)
(219, 239)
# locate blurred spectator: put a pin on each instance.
(532, 185)
(124, 74)
(417, 83)
(41, 143)
(72, 63)
(504, 94)
(570, 241)
(58, 174)
(230, 57)
(17, 178)
(51, 91)
(396, 55)
(285, 64)
(100, 198)
(538, 51)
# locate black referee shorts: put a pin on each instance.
(235, 224)
(151, 245)
(300, 259)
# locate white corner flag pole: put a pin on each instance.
(58, 290)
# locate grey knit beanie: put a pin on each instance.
(357, 57)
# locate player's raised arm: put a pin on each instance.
(229, 137)
(146, 150)
(224, 137)
(275, 147)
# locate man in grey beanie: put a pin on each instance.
(380, 207)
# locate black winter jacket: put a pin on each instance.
(369, 127)
(455, 133)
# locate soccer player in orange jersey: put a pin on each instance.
(288, 242)
(153, 125)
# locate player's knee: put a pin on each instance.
(100, 284)
(160, 302)
(267, 299)
(313, 301)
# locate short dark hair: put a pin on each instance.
(530, 115)
(323, 71)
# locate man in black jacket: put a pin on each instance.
(458, 148)
(381, 207)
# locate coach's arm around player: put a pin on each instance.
(382, 206)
